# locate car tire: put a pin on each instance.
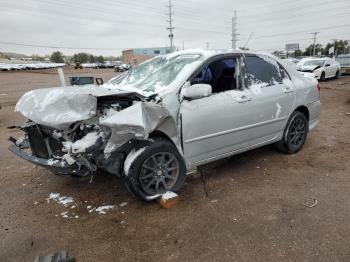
(323, 76)
(157, 169)
(295, 134)
(337, 74)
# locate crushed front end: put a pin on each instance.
(70, 135)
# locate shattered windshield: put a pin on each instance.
(156, 73)
(314, 63)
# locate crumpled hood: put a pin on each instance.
(59, 107)
(308, 67)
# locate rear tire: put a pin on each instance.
(295, 133)
(158, 169)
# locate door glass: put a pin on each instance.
(219, 74)
(261, 70)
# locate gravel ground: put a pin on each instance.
(259, 204)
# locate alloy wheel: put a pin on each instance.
(297, 132)
(159, 173)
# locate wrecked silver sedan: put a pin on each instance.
(159, 121)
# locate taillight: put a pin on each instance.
(318, 88)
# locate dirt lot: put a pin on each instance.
(256, 209)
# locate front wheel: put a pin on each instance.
(154, 169)
(323, 76)
(337, 74)
(295, 133)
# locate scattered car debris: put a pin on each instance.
(312, 203)
(123, 204)
(102, 209)
(63, 200)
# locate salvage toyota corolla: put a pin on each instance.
(159, 121)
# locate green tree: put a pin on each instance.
(57, 57)
(36, 57)
(92, 59)
(100, 59)
(81, 58)
(310, 48)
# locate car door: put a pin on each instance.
(272, 97)
(327, 68)
(216, 125)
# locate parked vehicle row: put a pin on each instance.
(29, 66)
(167, 116)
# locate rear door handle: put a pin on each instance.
(244, 99)
(288, 90)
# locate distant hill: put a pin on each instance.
(13, 55)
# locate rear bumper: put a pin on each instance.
(60, 167)
(314, 114)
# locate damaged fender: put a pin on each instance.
(138, 121)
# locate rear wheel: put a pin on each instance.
(295, 133)
(157, 169)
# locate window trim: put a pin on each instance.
(280, 66)
(207, 62)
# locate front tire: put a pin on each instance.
(323, 76)
(157, 169)
(337, 74)
(295, 133)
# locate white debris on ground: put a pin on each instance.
(102, 209)
(123, 204)
(63, 200)
(131, 158)
(70, 202)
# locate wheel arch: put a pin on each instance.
(304, 110)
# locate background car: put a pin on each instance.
(319, 68)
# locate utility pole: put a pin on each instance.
(170, 28)
(207, 43)
(315, 35)
(234, 31)
(183, 45)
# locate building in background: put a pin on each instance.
(138, 55)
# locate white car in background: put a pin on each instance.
(319, 68)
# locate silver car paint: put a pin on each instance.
(212, 127)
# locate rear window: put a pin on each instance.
(259, 70)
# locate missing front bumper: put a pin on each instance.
(60, 167)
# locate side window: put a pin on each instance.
(219, 74)
(261, 70)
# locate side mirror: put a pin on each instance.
(327, 65)
(197, 91)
